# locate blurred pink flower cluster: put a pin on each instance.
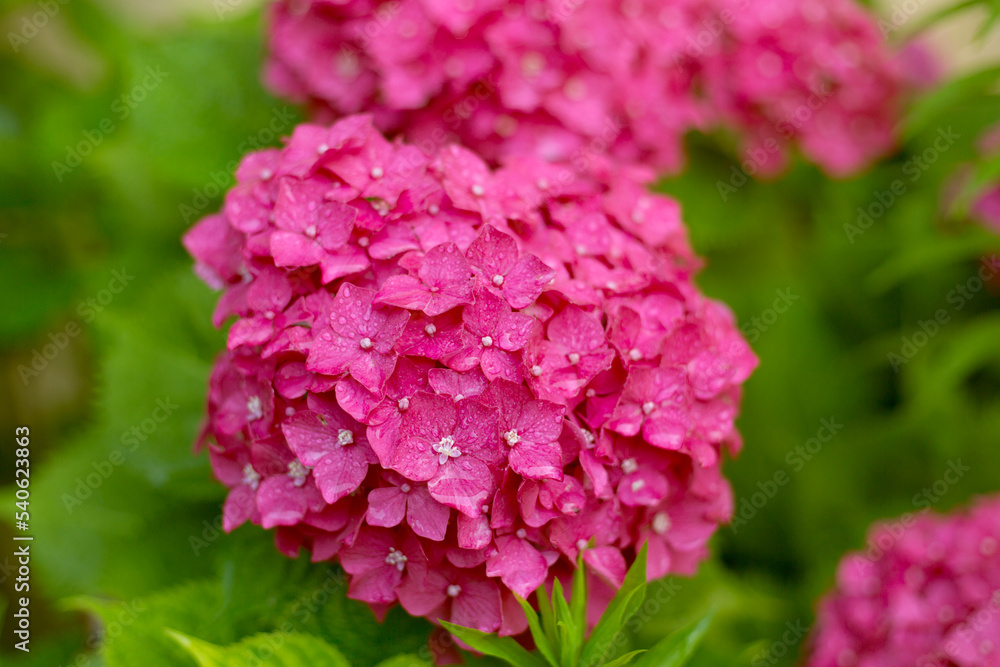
(926, 593)
(567, 80)
(455, 380)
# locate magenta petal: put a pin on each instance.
(340, 472)
(525, 282)
(608, 562)
(404, 292)
(375, 586)
(386, 507)
(423, 592)
(281, 503)
(308, 437)
(667, 428)
(238, 508)
(415, 459)
(518, 564)
(464, 483)
(474, 533)
(427, 517)
(478, 606)
(355, 399)
(372, 369)
(537, 460)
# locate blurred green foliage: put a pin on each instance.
(126, 527)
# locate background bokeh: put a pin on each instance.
(120, 123)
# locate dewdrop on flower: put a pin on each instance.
(450, 438)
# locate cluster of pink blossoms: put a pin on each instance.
(455, 380)
(567, 79)
(925, 594)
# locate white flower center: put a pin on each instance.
(322, 148)
(298, 472)
(588, 436)
(433, 209)
(311, 231)
(405, 488)
(648, 407)
(634, 354)
(446, 449)
(250, 477)
(638, 485)
(542, 184)
(498, 280)
(254, 408)
(365, 343)
(345, 437)
(396, 558)
(454, 590)
(486, 509)
(487, 341)
(377, 172)
(266, 174)
(536, 370)
(477, 190)
(661, 523)
(581, 544)
(430, 329)
(574, 358)
(403, 404)
(512, 437)
(522, 533)
(364, 241)
(629, 466)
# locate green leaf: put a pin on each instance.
(490, 644)
(268, 650)
(570, 635)
(537, 633)
(623, 605)
(546, 612)
(578, 603)
(945, 98)
(675, 650)
(625, 659)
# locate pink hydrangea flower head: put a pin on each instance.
(573, 81)
(455, 382)
(926, 591)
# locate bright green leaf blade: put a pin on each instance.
(675, 650)
(570, 636)
(268, 650)
(625, 659)
(626, 601)
(537, 633)
(504, 648)
(546, 613)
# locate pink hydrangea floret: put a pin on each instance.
(569, 81)
(926, 592)
(455, 380)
